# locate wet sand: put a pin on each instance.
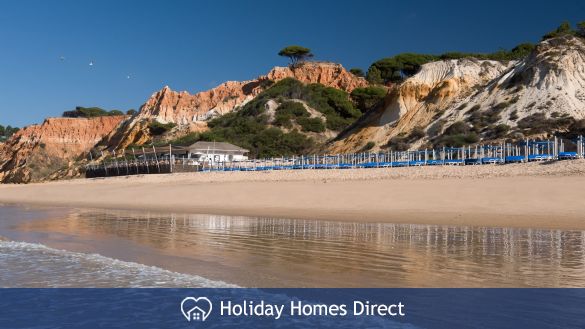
(87, 246)
(526, 195)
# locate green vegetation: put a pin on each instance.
(315, 125)
(6, 132)
(156, 128)
(115, 112)
(254, 134)
(296, 54)
(368, 97)
(357, 72)
(398, 67)
(498, 131)
(287, 111)
(131, 112)
(186, 140)
(581, 29)
(576, 129)
(369, 145)
(402, 141)
(518, 52)
(482, 119)
(566, 29)
(250, 128)
(538, 123)
(563, 29)
(401, 66)
(374, 75)
(457, 135)
(90, 112)
(333, 103)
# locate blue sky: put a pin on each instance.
(195, 45)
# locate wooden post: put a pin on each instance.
(116, 162)
(145, 161)
(526, 150)
(171, 158)
(135, 161)
(156, 158)
(104, 163)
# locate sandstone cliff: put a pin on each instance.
(418, 101)
(38, 151)
(191, 111)
(549, 83)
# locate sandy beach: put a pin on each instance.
(539, 195)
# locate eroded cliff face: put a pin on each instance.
(37, 152)
(549, 82)
(191, 111)
(183, 108)
(418, 101)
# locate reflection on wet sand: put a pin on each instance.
(285, 252)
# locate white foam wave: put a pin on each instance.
(24, 264)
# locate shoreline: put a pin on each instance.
(534, 195)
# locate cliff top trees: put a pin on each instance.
(581, 29)
(90, 112)
(563, 29)
(357, 72)
(6, 132)
(366, 98)
(296, 54)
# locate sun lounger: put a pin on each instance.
(539, 157)
(567, 155)
(515, 159)
(491, 160)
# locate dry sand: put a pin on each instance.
(540, 195)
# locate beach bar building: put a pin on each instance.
(215, 152)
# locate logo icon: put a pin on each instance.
(196, 308)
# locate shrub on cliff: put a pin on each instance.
(287, 111)
(357, 72)
(539, 123)
(581, 29)
(6, 132)
(187, 140)
(402, 141)
(563, 29)
(458, 134)
(315, 125)
(253, 133)
(156, 128)
(402, 65)
(518, 52)
(90, 112)
(335, 104)
(366, 98)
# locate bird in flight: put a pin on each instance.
(90, 63)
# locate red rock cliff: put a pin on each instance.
(184, 108)
(37, 151)
(193, 110)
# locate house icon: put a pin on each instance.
(197, 314)
(196, 309)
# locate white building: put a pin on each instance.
(215, 152)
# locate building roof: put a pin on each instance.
(215, 146)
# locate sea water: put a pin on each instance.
(53, 247)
